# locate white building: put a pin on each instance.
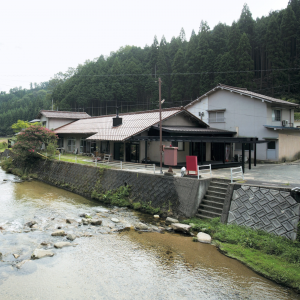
(251, 115)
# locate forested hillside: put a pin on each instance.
(262, 55)
(22, 104)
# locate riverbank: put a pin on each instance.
(274, 257)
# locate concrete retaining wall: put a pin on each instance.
(176, 196)
(274, 210)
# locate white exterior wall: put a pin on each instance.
(200, 107)
(55, 123)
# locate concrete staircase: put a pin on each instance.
(212, 203)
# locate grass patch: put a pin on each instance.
(273, 256)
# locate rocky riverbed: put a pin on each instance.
(58, 245)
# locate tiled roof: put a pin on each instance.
(193, 130)
(132, 124)
(63, 114)
(245, 92)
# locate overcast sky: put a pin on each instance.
(41, 38)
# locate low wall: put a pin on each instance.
(173, 195)
(274, 210)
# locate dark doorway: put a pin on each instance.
(199, 150)
(133, 152)
(119, 151)
(217, 151)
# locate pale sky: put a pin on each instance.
(41, 38)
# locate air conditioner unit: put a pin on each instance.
(285, 123)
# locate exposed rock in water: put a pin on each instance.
(35, 226)
(45, 243)
(71, 237)
(16, 255)
(156, 216)
(58, 233)
(181, 227)
(20, 264)
(170, 220)
(62, 244)
(96, 222)
(85, 222)
(30, 224)
(84, 215)
(204, 238)
(141, 226)
(115, 220)
(40, 253)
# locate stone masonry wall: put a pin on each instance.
(177, 196)
(274, 210)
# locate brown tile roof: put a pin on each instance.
(245, 92)
(63, 114)
(132, 124)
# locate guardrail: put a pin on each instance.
(236, 173)
(127, 165)
(204, 166)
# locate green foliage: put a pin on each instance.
(6, 164)
(30, 141)
(119, 197)
(51, 149)
(273, 256)
(20, 125)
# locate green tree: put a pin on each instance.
(178, 80)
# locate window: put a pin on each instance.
(44, 123)
(71, 144)
(216, 116)
(276, 115)
(180, 145)
(271, 145)
(60, 143)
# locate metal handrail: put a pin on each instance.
(239, 172)
(209, 169)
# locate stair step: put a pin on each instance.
(217, 189)
(210, 208)
(209, 213)
(202, 216)
(212, 203)
(214, 198)
(211, 193)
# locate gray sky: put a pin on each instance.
(41, 38)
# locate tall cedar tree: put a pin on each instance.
(178, 80)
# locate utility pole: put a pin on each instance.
(160, 126)
(52, 103)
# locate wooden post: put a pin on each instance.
(201, 147)
(146, 152)
(224, 154)
(250, 155)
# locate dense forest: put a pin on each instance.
(262, 55)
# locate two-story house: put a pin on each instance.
(251, 115)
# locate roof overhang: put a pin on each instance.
(282, 128)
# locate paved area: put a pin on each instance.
(285, 175)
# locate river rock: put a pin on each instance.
(204, 238)
(115, 220)
(156, 216)
(35, 226)
(62, 244)
(85, 221)
(96, 222)
(181, 227)
(171, 220)
(20, 264)
(16, 255)
(71, 237)
(58, 233)
(40, 253)
(45, 243)
(141, 226)
(71, 221)
(31, 223)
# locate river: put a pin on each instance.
(105, 263)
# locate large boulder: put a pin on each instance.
(62, 244)
(40, 253)
(58, 233)
(181, 227)
(204, 238)
(141, 226)
(96, 222)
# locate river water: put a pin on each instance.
(105, 263)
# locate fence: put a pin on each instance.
(236, 173)
(204, 170)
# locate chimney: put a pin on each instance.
(117, 121)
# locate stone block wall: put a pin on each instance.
(177, 196)
(274, 210)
